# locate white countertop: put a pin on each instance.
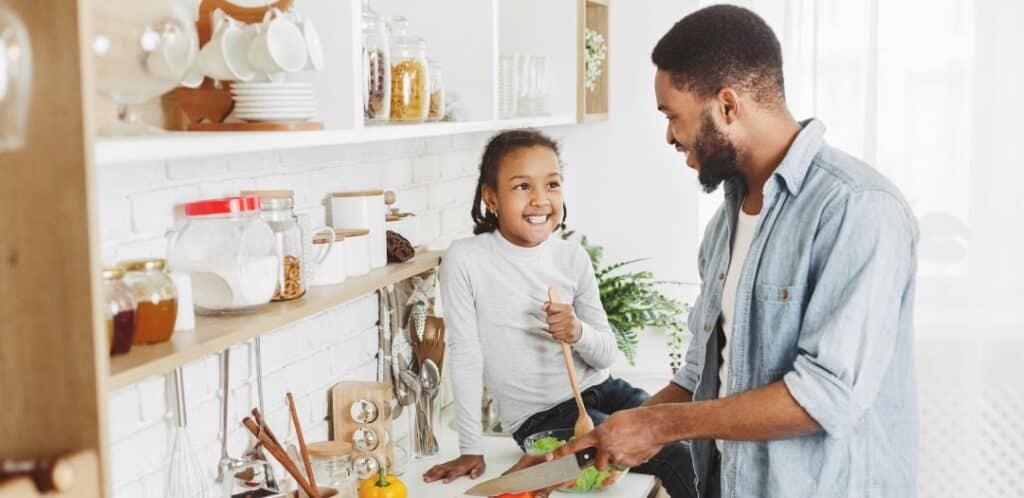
(501, 453)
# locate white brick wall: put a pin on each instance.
(433, 178)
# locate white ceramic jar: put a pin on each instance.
(357, 252)
(364, 211)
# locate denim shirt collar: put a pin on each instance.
(791, 171)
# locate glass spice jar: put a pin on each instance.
(332, 467)
(410, 80)
(120, 311)
(288, 247)
(376, 67)
(156, 299)
(437, 98)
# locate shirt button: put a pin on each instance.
(784, 294)
(721, 276)
(707, 327)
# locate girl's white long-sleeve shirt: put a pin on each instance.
(493, 293)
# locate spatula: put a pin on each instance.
(584, 424)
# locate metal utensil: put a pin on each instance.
(185, 477)
(430, 381)
(255, 453)
(228, 466)
(537, 477)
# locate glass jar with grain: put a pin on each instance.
(156, 299)
(120, 311)
(277, 212)
(376, 67)
(410, 79)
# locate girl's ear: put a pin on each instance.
(490, 198)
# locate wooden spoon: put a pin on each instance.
(584, 424)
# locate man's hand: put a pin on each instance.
(562, 320)
(625, 439)
(471, 465)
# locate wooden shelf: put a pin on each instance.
(214, 334)
(176, 145)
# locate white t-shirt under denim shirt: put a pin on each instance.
(745, 224)
(493, 293)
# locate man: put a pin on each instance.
(799, 379)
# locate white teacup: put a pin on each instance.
(314, 48)
(224, 57)
(279, 45)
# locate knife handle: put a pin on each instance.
(586, 457)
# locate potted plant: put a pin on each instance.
(633, 302)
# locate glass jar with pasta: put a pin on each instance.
(410, 80)
(376, 67)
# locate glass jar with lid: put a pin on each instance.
(376, 66)
(120, 311)
(288, 247)
(228, 252)
(437, 98)
(410, 80)
(156, 299)
(332, 467)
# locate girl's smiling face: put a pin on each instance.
(528, 198)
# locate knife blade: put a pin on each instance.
(537, 477)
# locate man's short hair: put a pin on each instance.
(723, 46)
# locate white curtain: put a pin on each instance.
(929, 92)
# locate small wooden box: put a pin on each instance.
(357, 407)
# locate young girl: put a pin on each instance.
(503, 332)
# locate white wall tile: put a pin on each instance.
(198, 167)
(123, 413)
(154, 212)
(426, 169)
(127, 178)
(153, 399)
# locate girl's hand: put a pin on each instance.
(562, 322)
(471, 465)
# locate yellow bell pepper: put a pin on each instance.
(382, 486)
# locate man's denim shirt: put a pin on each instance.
(824, 304)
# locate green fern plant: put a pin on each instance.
(633, 302)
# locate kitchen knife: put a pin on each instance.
(539, 476)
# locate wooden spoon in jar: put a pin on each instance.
(584, 423)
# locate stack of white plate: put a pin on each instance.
(274, 101)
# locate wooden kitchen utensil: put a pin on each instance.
(302, 441)
(432, 346)
(584, 423)
(279, 454)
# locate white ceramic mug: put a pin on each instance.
(331, 270)
(321, 252)
(314, 48)
(224, 56)
(278, 46)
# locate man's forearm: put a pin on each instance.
(762, 414)
(672, 393)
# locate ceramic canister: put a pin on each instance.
(363, 210)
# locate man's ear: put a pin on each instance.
(727, 101)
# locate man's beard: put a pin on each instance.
(715, 154)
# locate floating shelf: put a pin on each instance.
(177, 145)
(214, 334)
